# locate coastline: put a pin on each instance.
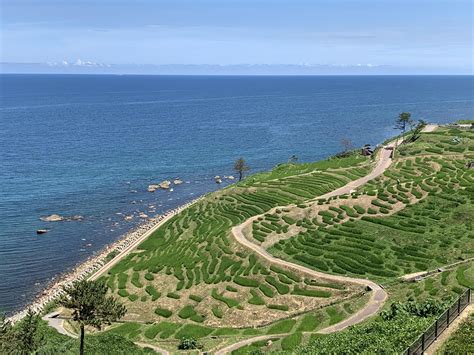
(97, 264)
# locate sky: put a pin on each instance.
(435, 35)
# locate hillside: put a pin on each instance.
(307, 253)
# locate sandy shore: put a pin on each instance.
(96, 263)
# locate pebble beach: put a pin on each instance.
(97, 263)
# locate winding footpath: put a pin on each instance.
(378, 295)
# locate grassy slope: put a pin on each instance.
(193, 254)
(448, 212)
(435, 228)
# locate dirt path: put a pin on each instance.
(58, 324)
(378, 297)
(451, 329)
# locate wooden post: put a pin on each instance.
(459, 305)
(436, 329)
(423, 342)
(447, 319)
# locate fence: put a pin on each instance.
(440, 325)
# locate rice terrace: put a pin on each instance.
(347, 255)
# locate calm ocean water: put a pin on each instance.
(90, 145)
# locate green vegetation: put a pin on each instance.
(417, 216)
(194, 249)
(437, 219)
(462, 340)
(393, 331)
(90, 306)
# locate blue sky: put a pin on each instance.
(435, 34)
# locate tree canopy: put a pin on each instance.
(91, 306)
(240, 166)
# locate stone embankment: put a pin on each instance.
(94, 264)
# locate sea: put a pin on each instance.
(90, 145)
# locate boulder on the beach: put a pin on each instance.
(177, 181)
(52, 218)
(165, 185)
(153, 188)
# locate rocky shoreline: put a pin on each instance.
(94, 263)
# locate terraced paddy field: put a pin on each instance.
(416, 217)
(192, 278)
(167, 334)
(192, 271)
(393, 335)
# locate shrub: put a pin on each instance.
(189, 344)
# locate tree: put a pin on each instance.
(293, 159)
(403, 120)
(346, 145)
(26, 332)
(7, 338)
(91, 306)
(241, 167)
(416, 130)
(189, 344)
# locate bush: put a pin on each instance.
(189, 344)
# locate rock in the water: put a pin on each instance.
(217, 179)
(42, 231)
(143, 215)
(165, 185)
(230, 177)
(153, 188)
(177, 181)
(52, 218)
(128, 218)
(75, 218)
